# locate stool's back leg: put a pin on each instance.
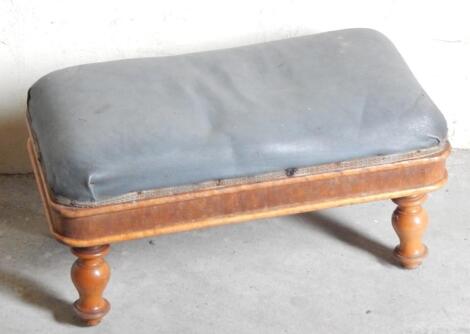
(409, 221)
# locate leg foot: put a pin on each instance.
(409, 221)
(90, 274)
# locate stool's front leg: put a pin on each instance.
(409, 221)
(90, 274)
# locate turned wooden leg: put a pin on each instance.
(90, 274)
(409, 221)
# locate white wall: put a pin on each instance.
(37, 37)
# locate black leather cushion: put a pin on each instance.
(107, 129)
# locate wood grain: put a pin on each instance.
(90, 275)
(410, 221)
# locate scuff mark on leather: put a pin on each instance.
(90, 185)
(290, 171)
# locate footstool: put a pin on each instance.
(142, 147)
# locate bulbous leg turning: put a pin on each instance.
(410, 221)
(90, 274)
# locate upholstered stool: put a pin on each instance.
(141, 147)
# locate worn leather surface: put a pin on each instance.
(107, 129)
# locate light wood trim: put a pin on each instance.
(41, 182)
(243, 217)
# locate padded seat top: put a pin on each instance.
(108, 129)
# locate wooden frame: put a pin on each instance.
(89, 230)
